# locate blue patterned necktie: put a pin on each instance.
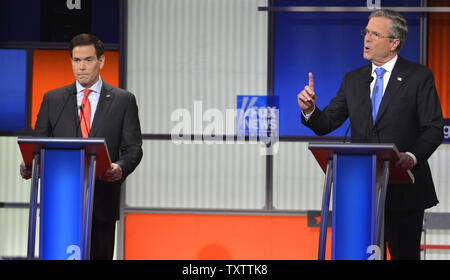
(377, 93)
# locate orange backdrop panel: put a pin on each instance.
(224, 237)
(52, 69)
(438, 52)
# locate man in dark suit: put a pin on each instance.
(390, 100)
(92, 108)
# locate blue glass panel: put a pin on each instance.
(353, 206)
(19, 21)
(13, 78)
(62, 201)
(58, 20)
(105, 20)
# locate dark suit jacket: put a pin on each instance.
(410, 116)
(116, 119)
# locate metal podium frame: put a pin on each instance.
(98, 161)
(386, 155)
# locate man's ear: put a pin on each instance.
(102, 60)
(396, 43)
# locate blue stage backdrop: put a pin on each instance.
(58, 20)
(328, 45)
(13, 76)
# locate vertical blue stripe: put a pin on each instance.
(13, 82)
(353, 203)
(62, 183)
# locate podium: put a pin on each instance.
(359, 174)
(67, 168)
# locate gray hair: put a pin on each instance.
(399, 26)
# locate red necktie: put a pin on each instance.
(85, 114)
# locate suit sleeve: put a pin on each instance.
(332, 117)
(430, 119)
(131, 143)
(43, 127)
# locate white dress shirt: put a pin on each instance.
(94, 96)
(388, 66)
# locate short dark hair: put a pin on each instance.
(87, 40)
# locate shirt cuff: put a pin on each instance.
(307, 116)
(413, 157)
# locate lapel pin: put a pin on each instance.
(399, 79)
(108, 95)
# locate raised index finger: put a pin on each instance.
(311, 81)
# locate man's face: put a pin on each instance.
(379, 49)
(86, 66)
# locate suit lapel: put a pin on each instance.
(104, 103)
(393, 85)
(71, 92)
(364, 89)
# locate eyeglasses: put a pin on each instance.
(374, 35)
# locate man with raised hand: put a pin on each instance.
(390, 100)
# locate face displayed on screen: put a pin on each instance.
(379, 48)
(86, 66)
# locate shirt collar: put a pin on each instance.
(97, 87)
(388, 66)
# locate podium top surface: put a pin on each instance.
(384, 152)
(92, 146)
(63, 142)
(378, 148)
